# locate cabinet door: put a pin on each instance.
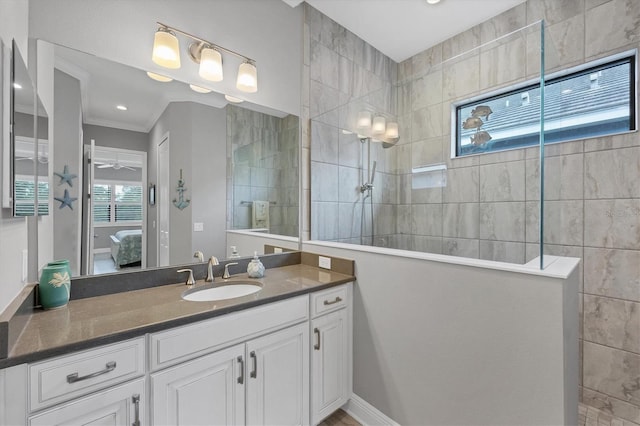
(120, 405)
(329, 364)
(205, 391)
(278, 382)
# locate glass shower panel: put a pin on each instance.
(424, 196)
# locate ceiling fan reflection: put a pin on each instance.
(115, 166)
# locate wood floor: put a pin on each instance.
(339, 418)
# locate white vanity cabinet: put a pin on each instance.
(119, 405)
(286, 363)
(264, 381)
(331, 351)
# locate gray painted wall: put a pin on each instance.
(197, 138)
(68, 151)
(115, 138)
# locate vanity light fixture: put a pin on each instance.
(392, 130)
(166, 53)
(159, 77)
(433, 1)
(121, 107)
(233, 99)
(166, 48)
(199, 89)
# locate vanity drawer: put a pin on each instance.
(64, 378)
(180, 344)
(328, 300)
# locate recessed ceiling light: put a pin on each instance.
(17, 86)
(199, 89)
(433, 1)
(121, 107)
(346, 132)
(233, 99)
(159, 77)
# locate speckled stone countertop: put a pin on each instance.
(95, 321)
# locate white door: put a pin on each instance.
(278, 382)
(164, 203)
(120, 405)
(329, 364)
(89, 234)
(206, 391)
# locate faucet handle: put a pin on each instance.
(198, 255)
(226, 270)
(190, 281)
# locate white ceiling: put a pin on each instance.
(402, 28)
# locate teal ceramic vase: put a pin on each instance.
(55, 285)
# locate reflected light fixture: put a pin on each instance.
(121, 107)
(159, 77)
(233, 99)
(17, 86)
(199, 89)
(364, 120)
(166, 53)
(433, 1)
(379, 125)
(166, 49)
(392, 131)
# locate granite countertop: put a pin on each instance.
(94, 321)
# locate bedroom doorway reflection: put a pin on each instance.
(116, 217)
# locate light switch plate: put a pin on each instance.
(324, 262)
(198, 226)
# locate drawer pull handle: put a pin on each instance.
(337, 299)
(254, 372)
(72, 378)
(136, 402)
(241, 378)
(316, 346)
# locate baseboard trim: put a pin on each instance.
(366, 414)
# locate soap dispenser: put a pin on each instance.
(255, 269)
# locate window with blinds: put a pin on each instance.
(24, 193)
(117, 202)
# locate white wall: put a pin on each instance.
(448, 344)
(14, 18)
(268, 31)
(247, 242)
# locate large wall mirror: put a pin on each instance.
(148, 172)
(27, 165)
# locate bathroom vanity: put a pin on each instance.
(280, 356)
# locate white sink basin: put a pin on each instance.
(229, 290)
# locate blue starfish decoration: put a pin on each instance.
(66, 200)
(65, 176)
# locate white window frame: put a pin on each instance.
(112, 203)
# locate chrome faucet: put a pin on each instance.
(212, 261)
(226, 270)
(190, 281)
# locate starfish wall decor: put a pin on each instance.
(66, 200)
(65, 176)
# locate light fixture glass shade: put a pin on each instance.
(379, 125)
(247, 78)
(159, 77)
(199, 89)
(210, 64)
(166, 49)
(364, 120)
(392, 130)
(233, 99)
